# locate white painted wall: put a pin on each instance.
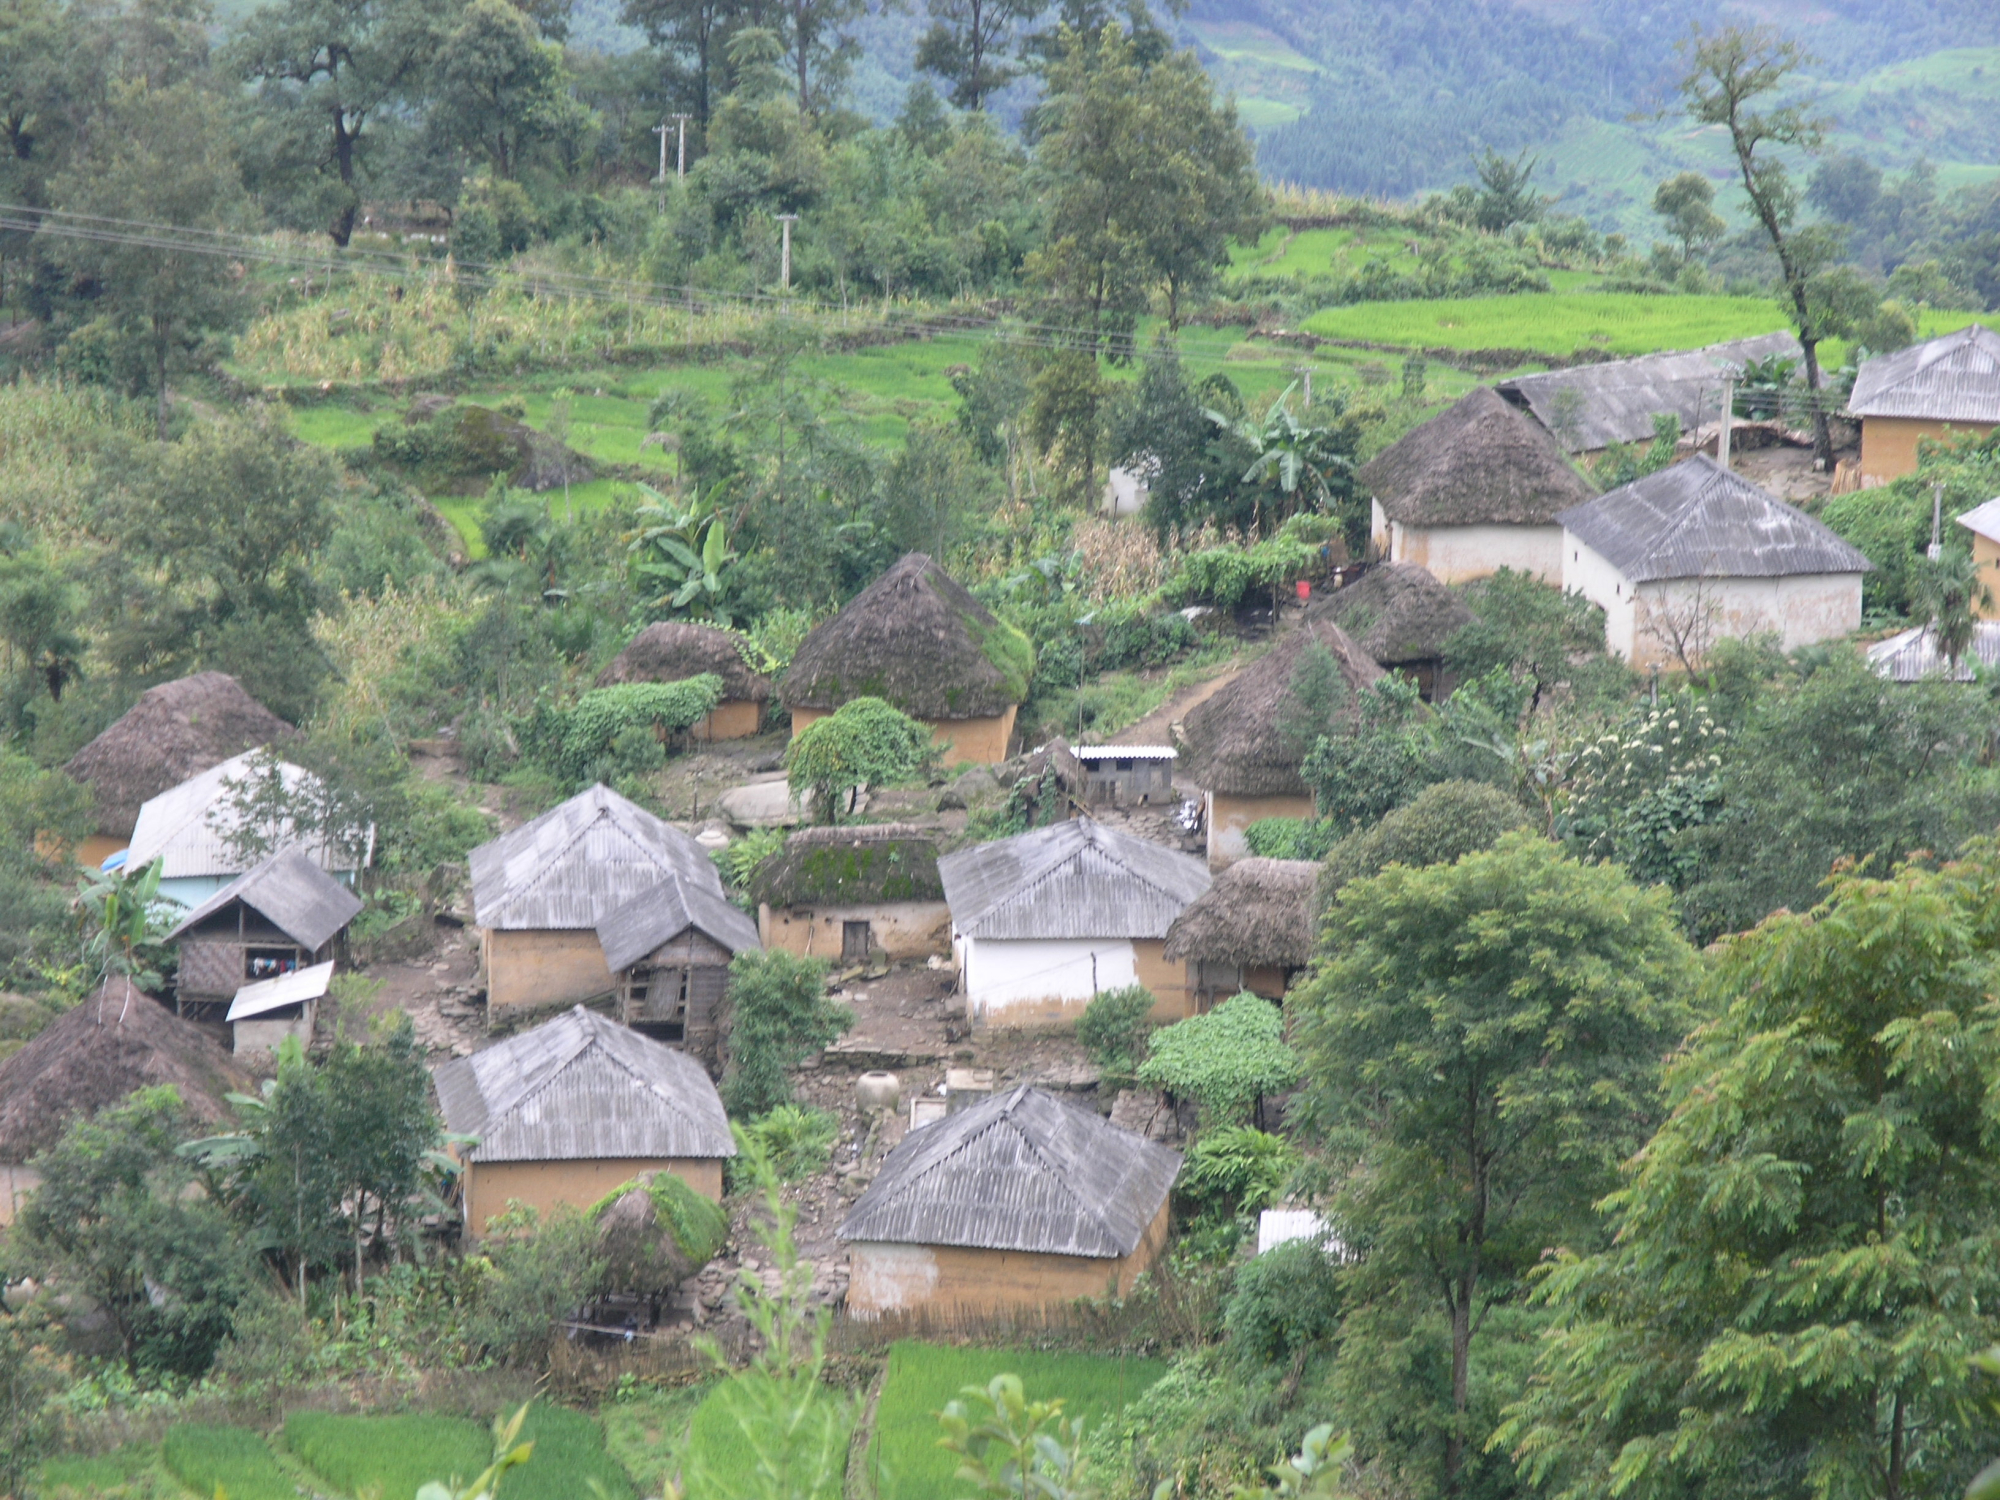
(1454, 554)
(1585, 571)
(1027, 975)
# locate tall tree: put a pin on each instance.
(498, 89)
(693, 32)
(818, 46)
(970, 45)
(1482, 1046)
(1805, 1256)
(1687, 202)
(1732, 78)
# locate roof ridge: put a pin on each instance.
(494, 1109)
(597, 1040)
(1016, 1095)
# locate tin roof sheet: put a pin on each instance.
(1077, 879)
(1615, 402)
(1955, 378)
(267, 995)
(664, 912)
(187, 828)
(1912, 655)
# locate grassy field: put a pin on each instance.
(231, 1460)
(715, 1441)
(907, 1464)
(1554, 323)
(134, 1472)
(391, 1456)
(648, 1432)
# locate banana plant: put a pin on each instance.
(1299, 457)
(686, 555)
(122, 926)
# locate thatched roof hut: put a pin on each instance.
(1243, 741)
(861, 865)
(674, 650)
(1259, 913)
(175, 731)
(1396, 612)
(98, 1052)
(916, 638)
(1481, 462)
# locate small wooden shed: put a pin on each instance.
(285, 915)
(575, 1107)
(674, 650)
(1401, 616)
(1018, 1202)
(846, 892)
(264, 1014)
(670, 948)
(1253, 929)
(1127, 775)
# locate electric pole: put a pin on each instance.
(660, 130)
(785, 259)
(681, 160)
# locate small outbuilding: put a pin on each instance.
(675, 650)
(539, 892)
(1944, 387)
(285, 915)
(916, 638)
(1254, 929)
(1694, 553)
(1044, 922)
(567, 1111)
(1127, 775)
(1401, 616)
(1018, 1202)
(1244, 745)
(264, 1014)
(1912, 655)
(845, 893)
(670, 948)
(1473, 490)
(175, 731)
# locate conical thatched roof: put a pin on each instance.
(1242, 741)
(97, 1053)
(674, 650)
(1396, 612)
(1261, 913)
(175, 731)
(916, 638)
(1481, 462)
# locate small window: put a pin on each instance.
(856, 938)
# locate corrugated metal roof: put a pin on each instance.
(1912, 655)
(1955, 378)
(267, 995)
(666, 911)
(1699, 520)
(583, 1088)
(1077, 879)
(187, 827)
(577, 863)
(1022, 1171)
(1983, 520)
(1616, 402)
(1124, 752)
(291, 892)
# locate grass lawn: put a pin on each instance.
(232, 1460)
(393, 1456)
(908, 1464)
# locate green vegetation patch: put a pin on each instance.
(1557, 324)
(717, 1444)
(234, 1460)
(392, 1456)
(130, 1473)
(698, 1224)
(570, 1459)
(850, 874)
(646, 1430)
(904, 1458)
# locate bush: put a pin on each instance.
(617, 730)
(1113, 1029)
(863, 742)
(536, 1271)
(1285, 1302)
(1290, 838)
(1441, 825)
(1225, 1061)
(779, 1016)
(1235, 1170)
(798, 1141)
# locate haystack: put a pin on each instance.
(1259, 914)
(98, 1052)
(916, 638)
(1396, 612)
(1245, 741)
(1481, 462)
(174, 732)
(674, 650)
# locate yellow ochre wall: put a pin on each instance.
(1986, 554)
(1167, 978)
(901, 929)
(1229, 815)
(543, 967)
(95, 850)
(1889, 444)
(980, 741)
(737, 720)
(886, 1278)
(491, 1185)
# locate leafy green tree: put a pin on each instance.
(1536, 632)
(1637, 786)
(1800, 1262)
(43, 815)
(1686, 201)
(864, 742)
(1480, 1053)
(685, 554)
(1377, 762)
(40, 624)
(1009, 1446)
(970, 45)
(1114, 1026)
(693, 34)
(1950, 596)
(1444, 822)
(1505, 197)
(497, 90)
(124, 927)
(778, 1017)
(819, 48)
(28, 1377)
(1226, 1060)
(1304, 467)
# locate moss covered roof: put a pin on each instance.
(855, 866)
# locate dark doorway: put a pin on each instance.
(856, 939)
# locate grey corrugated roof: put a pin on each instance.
(1955, 378)
(1696, 519)
(1077, 879)
(666, 911)
(577, 863)
(289, 891)
(1022, 1171)
(583, 1088)
(267, 995)
(1984, 520)
(1912, 655)
(187, 828)
(1616, 401)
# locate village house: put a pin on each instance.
(285, 915)
(568, 1110)
(1401, 616)
(1254, 929)
(915, 638)
(1983, 521)
(539, 892)
(846, 893)
(675, 650)
(202, 832)
(670, 948)
(1694, 553)
(1473, 490)
(1018, 1202)
(264, 1015)
(1045, 921)
(175, 731)
(1944, 387)
(1244, 745)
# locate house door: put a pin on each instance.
(856, 938)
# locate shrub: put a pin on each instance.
(798, 1141)
(1235, 1170)
(864, 741)
(617, 730)
(739, 861)
(1114, 1026)
(1290, 838)
(1285, 1301)
(779, 1016)
(536, 1271)
(1225, 1061)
